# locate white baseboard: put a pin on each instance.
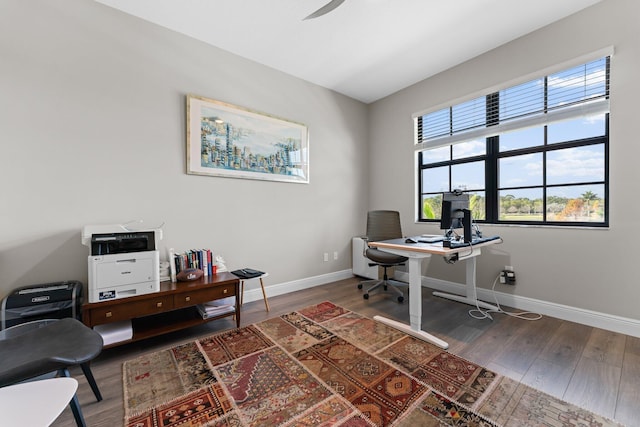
(295, 285)
(596, 319)
(573, 314)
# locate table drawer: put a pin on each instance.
(200, 296)
(130, 310)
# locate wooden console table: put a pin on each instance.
(171, 309)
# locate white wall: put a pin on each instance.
(586, 269)
(92, 131)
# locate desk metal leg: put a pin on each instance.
(415, 289)
(471, 296)
(415, 307)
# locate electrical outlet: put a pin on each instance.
(326, 256)
(335, 255)
(507, 277)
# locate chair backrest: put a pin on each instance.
(383, 225)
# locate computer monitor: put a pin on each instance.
(456, 213)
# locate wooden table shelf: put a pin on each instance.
(171, 309)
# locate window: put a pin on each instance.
(533, 153)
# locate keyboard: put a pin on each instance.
(477, 241)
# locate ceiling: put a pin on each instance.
(365, 49)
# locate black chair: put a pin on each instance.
(383, 225)
(33, 349)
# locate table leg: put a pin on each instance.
(471, 291)
(264, 295)
(238, 304)
(415, 306)
(415, 288)
(241, 292)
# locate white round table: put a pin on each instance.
(35, 403)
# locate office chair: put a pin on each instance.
(383, 225)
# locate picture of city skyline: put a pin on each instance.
(235, 142)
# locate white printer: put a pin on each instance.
(121, 263)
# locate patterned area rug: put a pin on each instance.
(326, 366)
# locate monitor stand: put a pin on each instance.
(466, 224)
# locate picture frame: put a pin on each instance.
(226, 140)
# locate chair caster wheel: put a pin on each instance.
(365, 296)
(359, 285)
(400, 299)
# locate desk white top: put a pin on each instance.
(35, 403)
(427, 248)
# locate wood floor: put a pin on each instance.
(593, 368)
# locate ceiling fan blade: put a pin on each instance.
(325, 9)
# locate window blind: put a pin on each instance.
(580, 90)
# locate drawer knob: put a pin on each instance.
(159, 304)
(224, 291)
(187, 298)
(108, 314)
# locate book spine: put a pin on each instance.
(176, 261)
(194, 259)
(205, 265)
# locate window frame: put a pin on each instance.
(493, 155)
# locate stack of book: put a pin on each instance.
(217, 308)
(202, 259)
(195, 258)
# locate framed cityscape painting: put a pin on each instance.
(235, 142)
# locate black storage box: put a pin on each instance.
(45, 301)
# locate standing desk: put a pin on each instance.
(419, 253)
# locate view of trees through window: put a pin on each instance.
(588, 207)
(432, 206)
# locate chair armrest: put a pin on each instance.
(365, 246)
